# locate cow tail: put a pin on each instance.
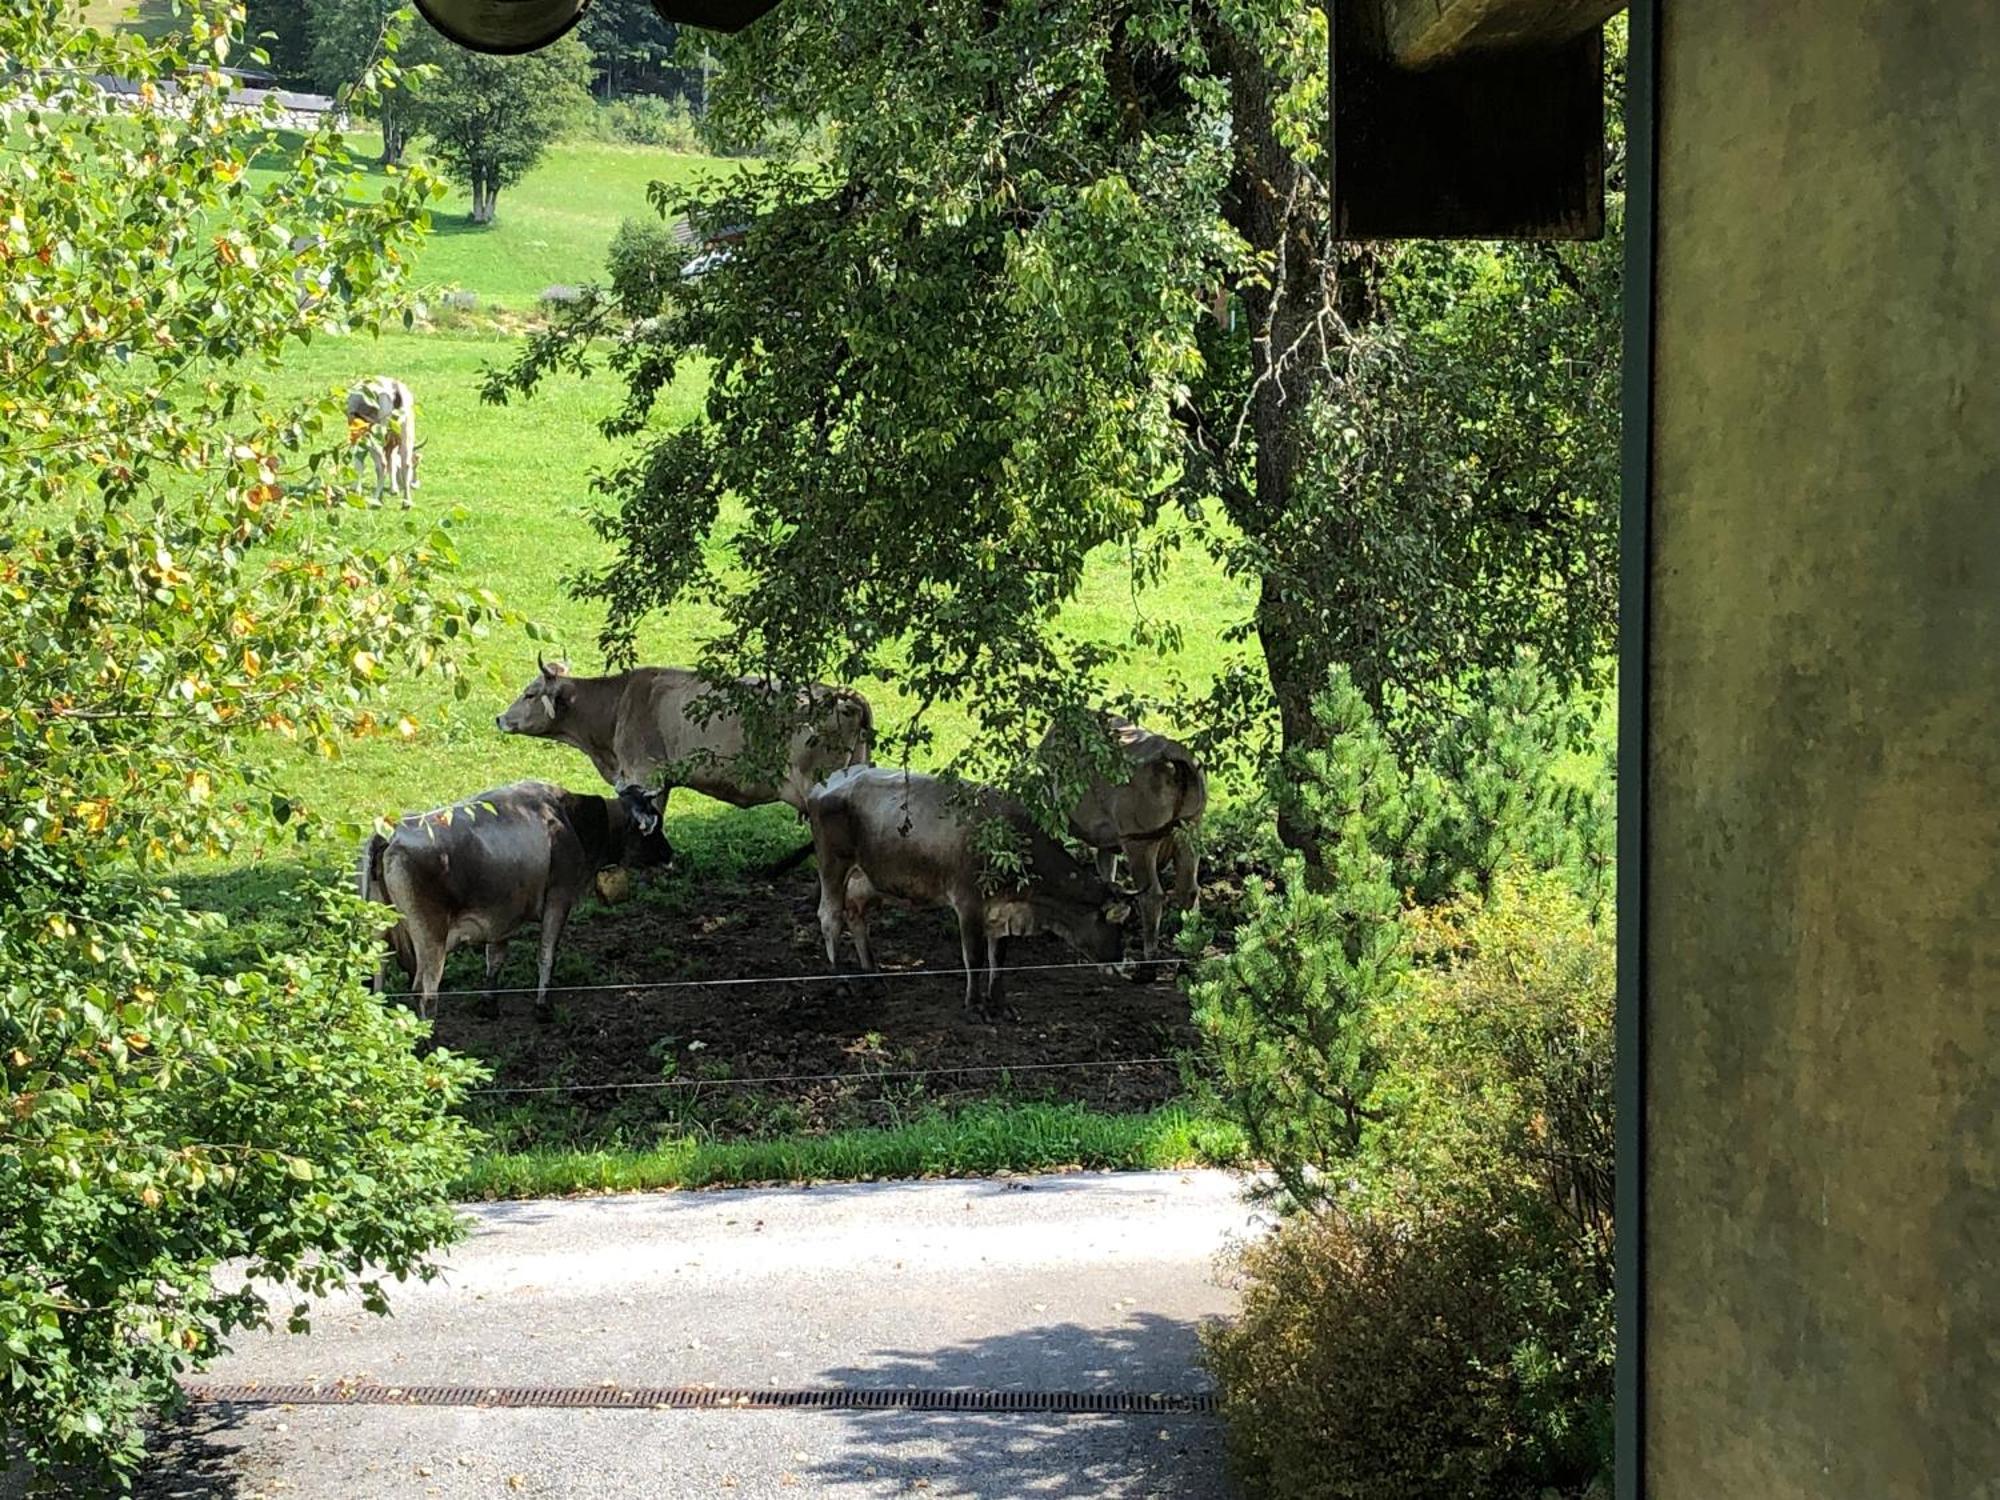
(1187, 783)
(368, 878)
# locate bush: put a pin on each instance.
(180, 577)
(644, 120)
(1370, 1361)
(161, 1121)
(1416, 1034)
(1286, 1011)
(1440, 1319)
(642, 265)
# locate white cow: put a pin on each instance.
(382, 416)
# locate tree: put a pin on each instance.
(981, 340)
(490, 119)
(348, 38)
(181, 579)
(279, 29)
(625, 38)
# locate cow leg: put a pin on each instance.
(996, 943)
(971, 917)
(832, 908)
(496, 955)
(857, 927)
(431, 947)
(553, 919)
(1143, 860)
(1107, 865)
(1187, 871)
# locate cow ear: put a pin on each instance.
(559, 697)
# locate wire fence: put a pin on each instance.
(982, 1070)
(878, 1075)
(817, 977)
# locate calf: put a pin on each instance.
(879, 832)
(382, 419)
(479, 870)
(1147, 816)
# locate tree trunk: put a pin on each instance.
(483, 194)
(1281, 210)
(393, 142)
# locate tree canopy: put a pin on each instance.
(1063, 281)
(489, 120)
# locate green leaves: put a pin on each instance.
(179, 573)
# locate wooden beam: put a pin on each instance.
(1507, 144)
(1424, 33)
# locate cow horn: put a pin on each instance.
(541, 667)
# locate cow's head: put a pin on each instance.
(645, 833)
(543, 702)
(843, 730)
(639, 833)
(853, 725)
(1091, 916)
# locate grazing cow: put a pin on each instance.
(652, 725)
(482, 868)
(880, 832)
(1147, 818)
(382, 418)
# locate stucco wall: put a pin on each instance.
(1823, 884)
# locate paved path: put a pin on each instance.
(1072, 1283)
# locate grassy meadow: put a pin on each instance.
(513, 483)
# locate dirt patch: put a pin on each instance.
(893, 1043)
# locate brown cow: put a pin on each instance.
(1147, 817)
(481, 869)
(651, 726)
(880, 832)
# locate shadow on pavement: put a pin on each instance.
(185, 1462)
(1178, 1457)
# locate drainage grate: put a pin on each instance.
(700, 1398)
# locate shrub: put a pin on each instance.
(161, 1121)
(181, 575)
(1440, 1314)
(644, 120)
(1416, 1035)
(643, 264)
(1370, 1360)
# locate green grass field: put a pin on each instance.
(516, 481)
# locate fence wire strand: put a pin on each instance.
(982, 1069)
(817, 977)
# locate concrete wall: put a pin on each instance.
(1823, 884)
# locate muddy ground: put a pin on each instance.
(899, 1042)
